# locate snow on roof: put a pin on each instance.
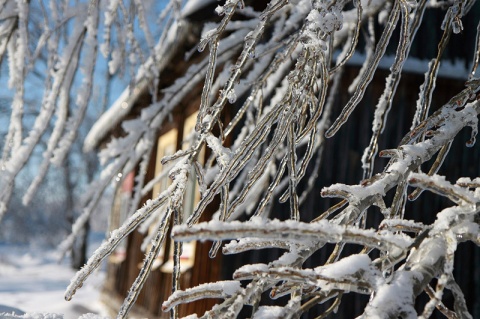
(195, 5)
(113, 116)
(456, 70)
(123, 105)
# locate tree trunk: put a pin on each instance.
(79, 248)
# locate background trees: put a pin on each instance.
(278, 66)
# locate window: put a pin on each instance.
(192, 196)
(167, 145)
(119, 215)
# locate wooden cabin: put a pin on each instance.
(341, 164)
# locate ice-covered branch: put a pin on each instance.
(292, 231)
(274, 71)
(409, 158)
(219, 289)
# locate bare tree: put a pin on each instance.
(284, 66)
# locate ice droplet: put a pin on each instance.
(231, 96)
(457, 26)
(202, 46)
(471, 142)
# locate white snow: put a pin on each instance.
(112, 117)
(269, 312)
(346, 266)
(397, 294)
(195, 5)
(32, 280)
(448, 69)
(219, 289)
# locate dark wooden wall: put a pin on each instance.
(341, 164)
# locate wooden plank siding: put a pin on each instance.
(341, 164)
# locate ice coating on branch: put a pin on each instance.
(440, 185)
(222, 153)
(194, 5)
(219, 289)
(292, 231)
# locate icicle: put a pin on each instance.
(459, 299)
(224, 194)
(354, 39)
(439, 185)
(408, 32)
(369, 56)
(367, 77)
(241, 155)
(272, 71)
(157, 243)
(425, 95)
(212, 38)
(243, 58)
(268, 194)
(246, 244)
(405, 37)
(321, 127)
(292, 170)
(324, 78)
(476, 56)
(284, 116)
(259, 169)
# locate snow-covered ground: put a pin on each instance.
(33, 281)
